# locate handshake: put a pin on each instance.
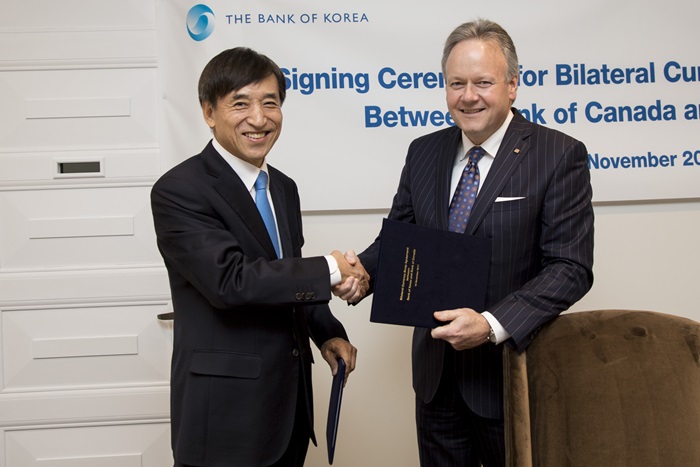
(354, 282)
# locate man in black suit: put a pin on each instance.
(245, 302)
(534, 202)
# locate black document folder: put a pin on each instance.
(334, 409)
(422, 270)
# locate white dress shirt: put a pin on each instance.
(490, 147)
(248, 173)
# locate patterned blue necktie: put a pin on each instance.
(465, 194)
(265, 210)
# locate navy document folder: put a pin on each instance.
(422, 270)
(334, 409)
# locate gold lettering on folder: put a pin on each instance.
(410, 274)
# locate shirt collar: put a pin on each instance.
(247, 172)
(491, 144)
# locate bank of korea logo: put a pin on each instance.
(200, 22)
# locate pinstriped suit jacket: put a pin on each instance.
(542, 243)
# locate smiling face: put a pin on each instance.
(478, 94)
(247, 121)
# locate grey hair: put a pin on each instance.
(485, 30)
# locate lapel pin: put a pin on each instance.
(516, 150)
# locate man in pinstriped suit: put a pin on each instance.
(534, 202)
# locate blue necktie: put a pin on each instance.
(465, 194)
(265, 210)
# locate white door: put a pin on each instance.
(84, 359)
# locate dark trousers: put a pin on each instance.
(295, 454)
(451, 435)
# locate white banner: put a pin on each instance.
(364, 80)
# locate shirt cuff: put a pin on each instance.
(498, 330)
(336, 277)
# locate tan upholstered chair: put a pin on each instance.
(606, 388)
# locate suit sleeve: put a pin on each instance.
(217, 254)
(565, 252)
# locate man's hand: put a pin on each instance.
(336, 348)
(465, 328)
(355, 280)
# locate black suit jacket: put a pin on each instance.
(242, 319)
(535, 205)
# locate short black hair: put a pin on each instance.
(234, 69)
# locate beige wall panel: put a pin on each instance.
(83, 286)
(76, 227)
(55, 408)
(137, 445)
(43, 167)
(47, 14)
(49, 110)
(104, 346)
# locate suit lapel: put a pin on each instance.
(229, 185)
(513, 149)
(445, 162)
